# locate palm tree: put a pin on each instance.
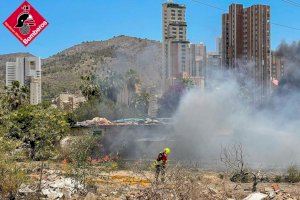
(17, 95)
(111, 84)
(132, 80)
(88, 87)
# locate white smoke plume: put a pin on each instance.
(223, 115)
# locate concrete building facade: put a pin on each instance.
(175, 44)
(246, 42)
(27, 71)
(69, 102)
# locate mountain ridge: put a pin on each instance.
(62, 71)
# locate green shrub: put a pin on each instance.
(78, 153)
(293, 174)
(278, 179)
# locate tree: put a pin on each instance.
(16, 95)
(140, 103)
(79, 153)
(233, 157)
(11, 176)
(111, 85)
(169, 102)
(188, 83)
(89, 88)
(38, 128)
(132, 80)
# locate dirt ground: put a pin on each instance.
(181, 183)
(196, 185)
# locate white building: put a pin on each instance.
(27, 71)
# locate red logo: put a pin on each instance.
(25, 23)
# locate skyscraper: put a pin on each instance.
(197, 59)
(246, 42)
(27, 71)
(175, 44)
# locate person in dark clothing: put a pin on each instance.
(161, 163)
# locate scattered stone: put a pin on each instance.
(256, 196)
(25, 189)
(270, 191)
(67, 194)
(90, 196)
(212, 190)
(54, 186)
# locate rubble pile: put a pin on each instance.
(53, 186)
(97, 121)
(274, 192)
(137, 121)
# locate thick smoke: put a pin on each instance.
(207, 120)
(224, 114)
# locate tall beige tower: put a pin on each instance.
(175, 44)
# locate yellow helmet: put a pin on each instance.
(167, 150)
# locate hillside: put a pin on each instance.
(62, 71)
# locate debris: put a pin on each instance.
(54, 186)
(98, 121)
(90, 196)
(25, 189)
(256, 196)
(95, 121)
(270, 191)
(276, 187)
(212, 190)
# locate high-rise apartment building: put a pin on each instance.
(27, 71)
(175, 44)
(246, 42)
(197, 59)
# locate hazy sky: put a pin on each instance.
(74, 21)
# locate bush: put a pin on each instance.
(38, 128)
(278, 179)
(78, 154)
(11, 176)
(293, 174)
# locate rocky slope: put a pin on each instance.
(62, 71)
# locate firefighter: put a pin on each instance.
(160, 164)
